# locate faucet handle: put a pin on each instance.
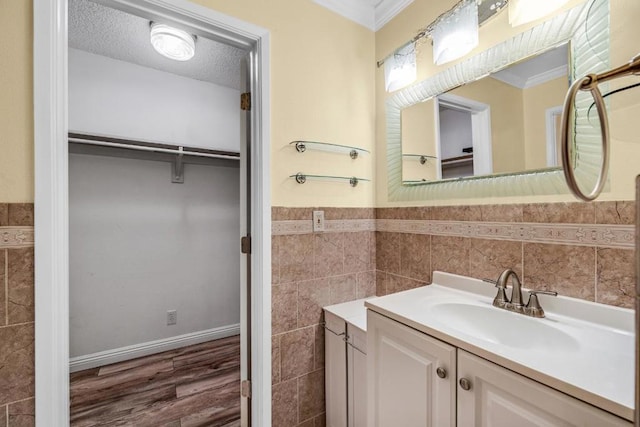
(533, 307)
(501, 299)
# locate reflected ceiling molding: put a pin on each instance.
(521, 82)
(373, 14)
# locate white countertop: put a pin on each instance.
(589, 351)
(353, 312)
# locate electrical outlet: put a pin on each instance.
(172, 317)
(318, 221)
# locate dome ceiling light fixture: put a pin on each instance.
(172, 43)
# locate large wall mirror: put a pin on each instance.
(489, 126)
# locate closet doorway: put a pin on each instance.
(166, 173)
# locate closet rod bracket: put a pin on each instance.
(177, 168)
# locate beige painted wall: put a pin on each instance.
(622, 108)
(322, 88)
(536, 102)
(16, 101)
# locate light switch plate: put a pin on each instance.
(318, 221)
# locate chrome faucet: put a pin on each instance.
(515, 304)
(516, 293)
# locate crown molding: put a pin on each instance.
(373, 14)
(546, 76)
(386, 10)
(359, 11)
(525, 83)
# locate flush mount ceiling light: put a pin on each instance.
(172, 43)
(523, 11)
(456, 33)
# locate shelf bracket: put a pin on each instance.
(301, 178)
(177, 168)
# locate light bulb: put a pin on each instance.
(172, 43)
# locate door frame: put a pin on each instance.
(550, 115)
(51, 195)
(480, 129)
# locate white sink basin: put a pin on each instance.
(499, 326)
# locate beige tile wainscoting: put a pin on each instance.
(16, 315)
(309, 272)
(581, 250)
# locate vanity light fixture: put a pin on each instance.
(456, 33)
(400, 68)
(523, 11)
(172, 43)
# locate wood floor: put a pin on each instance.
(188, 387)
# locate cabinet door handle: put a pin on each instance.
(441, 372)
(465, 384)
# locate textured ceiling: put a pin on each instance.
(109, 32)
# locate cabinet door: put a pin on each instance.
(335, 371)
(357, 367)
(403, 387)
(501, 398)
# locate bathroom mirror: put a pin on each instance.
(583, 31)
(506, 122)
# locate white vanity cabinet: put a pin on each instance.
(412, 377)
(407, 389)
(498, 397)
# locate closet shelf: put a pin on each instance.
(301, 147)
(301, 178)
(457, 161)
(420, 157)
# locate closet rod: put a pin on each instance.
(147, 146)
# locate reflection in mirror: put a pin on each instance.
(507, 122)
(586, 26)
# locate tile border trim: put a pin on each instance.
(16, 237)
(594, 235)
(282, 228)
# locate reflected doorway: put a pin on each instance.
(463, 137)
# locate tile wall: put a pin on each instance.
(580, 250)
(577, 249)
(16, 315)
(309, 272)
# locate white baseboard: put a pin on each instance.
(108, 357)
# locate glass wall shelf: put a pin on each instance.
(422, 158)
(415, 181)
(301, 178)
(301, 147)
